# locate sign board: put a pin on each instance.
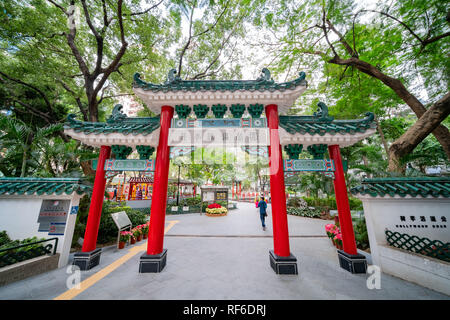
(174, 208)
(52, 211)
(308, 165)
(218, 137)
(127, 165)
(208, 196)
(121, 219)
(221, 195)
(185, 208)
(74, 210)
(56, 228)
(220, 123)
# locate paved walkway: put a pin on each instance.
(220, 258)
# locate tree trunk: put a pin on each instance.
(441, 133)
(24, 163)
(383, 139)
(419, 131)
(86, 166)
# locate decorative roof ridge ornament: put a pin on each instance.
(263, 83)
(117, 114)
(265, 76)
(369, 117)
(116, 117)
(322, 111)
(321, 115)
(401, 179)
(171, 77)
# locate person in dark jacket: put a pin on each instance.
(262, 205)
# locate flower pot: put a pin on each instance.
(133, 240)
(139, 238)
(122, 244)
(145, 236)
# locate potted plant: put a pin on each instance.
(144, 229)
(332, 230)
(137, 233)
(338, 241)
(215, 210)
(123, 238)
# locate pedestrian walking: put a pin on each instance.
(262, 205)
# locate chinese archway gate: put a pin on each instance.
(227, 101)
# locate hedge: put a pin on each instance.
(329, 203)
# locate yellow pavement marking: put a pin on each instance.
(85, 284)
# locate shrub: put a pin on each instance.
(329, 203)
(361, 235)
(297, 202)
(107, 231)
(17, 255)
(216, 209)
(196, 201)
(4, 238)
(310, 213)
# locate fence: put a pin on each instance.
(431, 248)
(18, 253)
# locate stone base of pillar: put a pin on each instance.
(153, 263)
(87, 260)
(283, 265)
(354, 263)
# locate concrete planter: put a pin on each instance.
(216, 215)
(28, 268)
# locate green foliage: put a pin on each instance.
(108, 230)
(405, 40)
(326, 204)
(307, 212)
(21, 254)
(4, 238)
(361, 235)
(195, 201)
(20, 143)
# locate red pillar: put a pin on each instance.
(95, 209)
(240, 185)
(340, 190)
(232, 190)
(277, 188)
(159, 196)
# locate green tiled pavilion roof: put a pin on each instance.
(320, 123)
(414, 186)
(263, 83)
(43, 186)
(117, 123)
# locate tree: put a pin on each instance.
(18, 141)
(210, 48)
(332, 33)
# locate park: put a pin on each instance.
(224, 150)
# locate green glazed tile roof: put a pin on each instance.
(263, 83)
(43, 186)
(414, 186)
(117, 122)
(321, 123)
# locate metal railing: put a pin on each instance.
(13, 255)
